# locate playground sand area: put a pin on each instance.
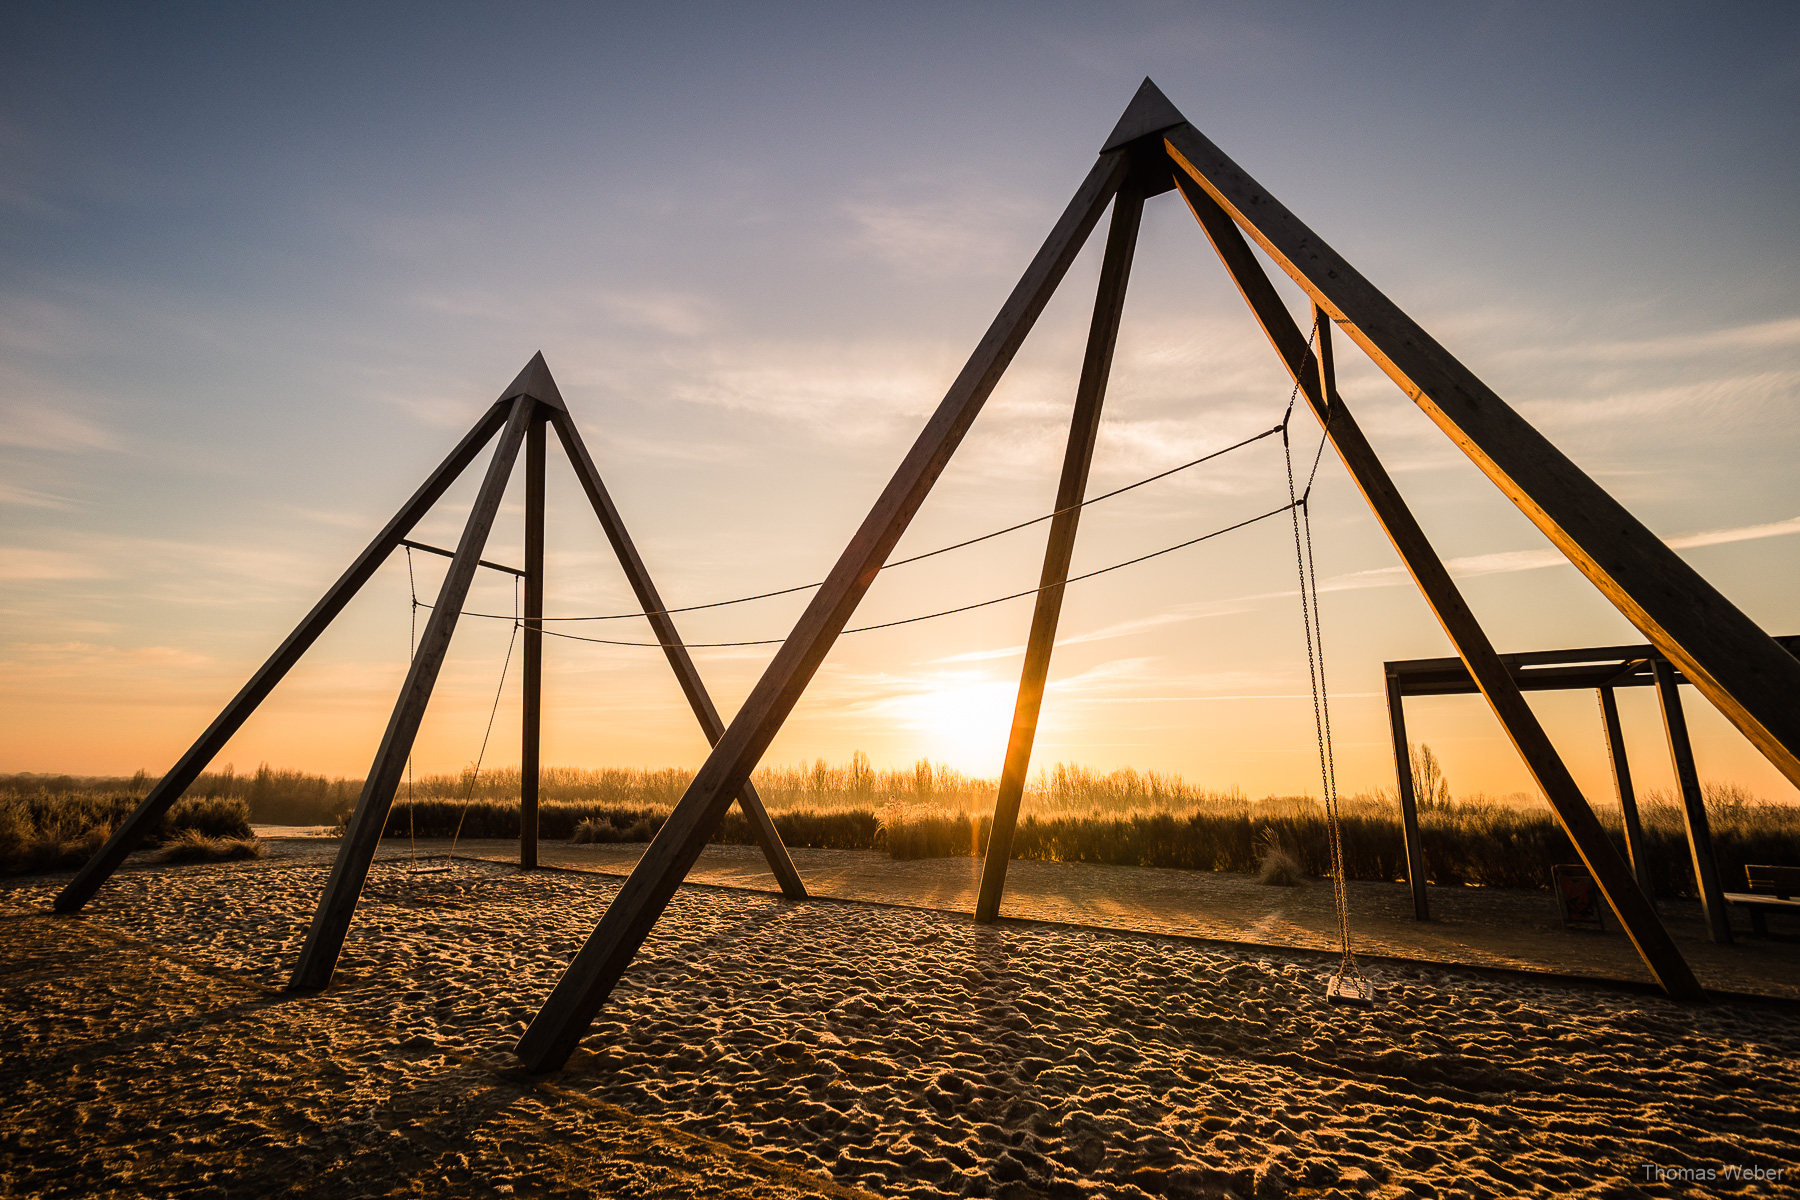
(759, 1047)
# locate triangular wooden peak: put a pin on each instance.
(535, 381)
(1154, 148)
(519, 418)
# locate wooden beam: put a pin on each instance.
(1725, 654)
(169, 788)
(1636, 915)
(337, 905)
(1409, 799)
(532, 702)
(687, 675)
(1635, 849)
(1059, 548)
(560, 1024)
(1693, 807)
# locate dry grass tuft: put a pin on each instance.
(191, 845)
(1280, 869)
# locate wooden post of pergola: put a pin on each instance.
(1635, 847)
(1693, 805)
(1408, 796)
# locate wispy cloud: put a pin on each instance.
(968, 235)
(13, 494)
(1783, 333)
(1509, 561)
(40, 427)
(21, 563)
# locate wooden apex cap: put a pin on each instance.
(535, 381)
(1149, 112)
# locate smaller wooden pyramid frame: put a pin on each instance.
(520, 417)
(1154, 149)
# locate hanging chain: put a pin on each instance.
(1300, 511)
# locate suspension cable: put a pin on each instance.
(807, 587)
(1130, 562)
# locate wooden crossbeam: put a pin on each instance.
(1723, 652)
(1059, 548)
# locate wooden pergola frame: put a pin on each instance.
(1603, 669)
(1151, 150)
(520, 417)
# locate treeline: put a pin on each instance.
(1491, 844)
(281, 797)
(1069, 814)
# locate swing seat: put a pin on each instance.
(1359, 993)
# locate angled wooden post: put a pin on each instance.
(1635, 848)
(337, 905)
(1693, 806)
(570, 1008)
(781, 864)
(169, 788)
(532, 701)
(1636, 914)
(1059, 548)
(1409, 799)
(1720, 650)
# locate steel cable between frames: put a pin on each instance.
(807, 587)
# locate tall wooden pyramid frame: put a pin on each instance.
(520, 417)
(1154, 149)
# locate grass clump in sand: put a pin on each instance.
(1279, 868)
(191, 845)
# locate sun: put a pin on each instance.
(962, 722)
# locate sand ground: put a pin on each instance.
(768, 1048)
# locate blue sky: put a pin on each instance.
(260, 266)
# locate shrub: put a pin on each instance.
(191, 845)
(1279, 868)
(56, 831)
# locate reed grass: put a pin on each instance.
(1068, 814)
(50, 831)
(190, 845)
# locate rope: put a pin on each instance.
(1300, 509)
(493, 712)
(807, 587)
(1130, 562)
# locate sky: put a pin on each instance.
(261, 266)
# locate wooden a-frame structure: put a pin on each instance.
(1154, 149)
(520, 417)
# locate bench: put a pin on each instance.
(1771, 889)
